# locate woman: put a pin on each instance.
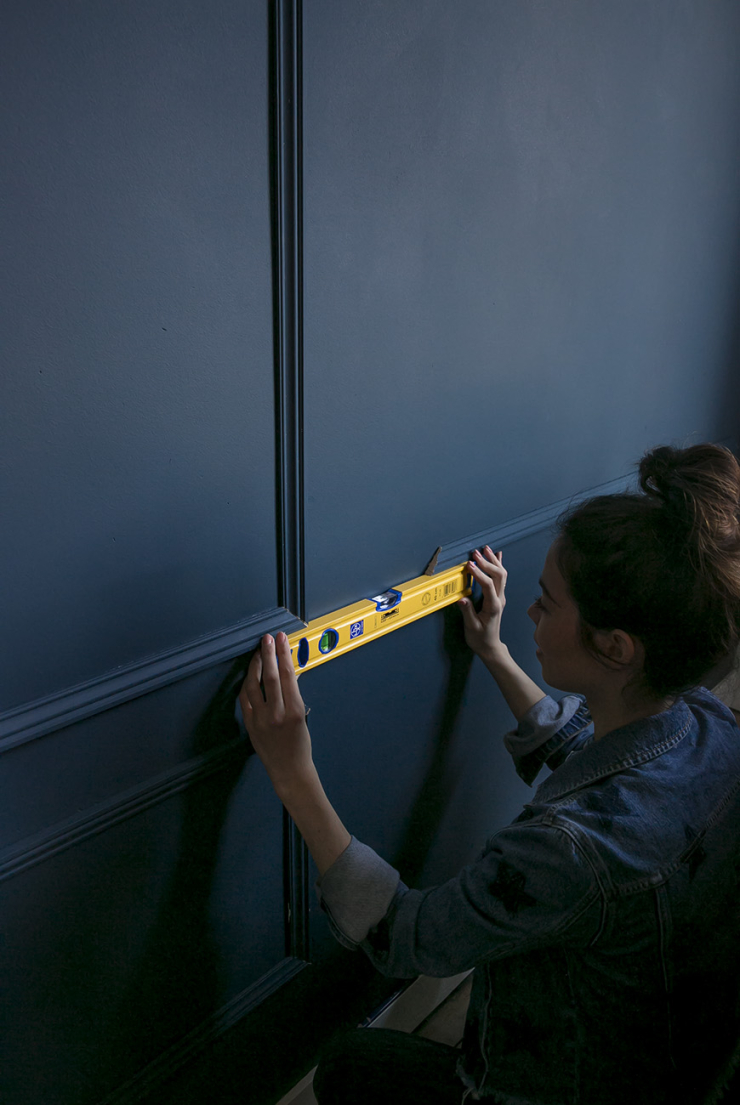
(604, 923)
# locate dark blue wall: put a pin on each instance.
(520, 270)
(137, 351)
(522, 246)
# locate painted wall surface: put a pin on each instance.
(520, 269)
(522, 245)
(137, 346)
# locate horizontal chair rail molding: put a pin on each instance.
(25, 853)
(525, 525)
(45, 715)
(536, 520)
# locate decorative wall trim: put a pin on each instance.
(172, 1060)
(536, 520)
(104, 815)
(525, 525)
(48, 714)
(296, 889)
(45, 715)
(286, 171)
(57, 711)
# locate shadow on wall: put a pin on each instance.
(438, 785)
(176, 984)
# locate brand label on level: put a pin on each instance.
(356, 629)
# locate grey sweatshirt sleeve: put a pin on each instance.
(529, 882)
(356, 892)
(548, 733)
(361, 892)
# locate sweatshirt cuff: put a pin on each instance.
(531, 743)
(356, 892)
(541, 721)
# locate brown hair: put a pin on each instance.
(663, 565)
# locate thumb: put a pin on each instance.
(468, 612)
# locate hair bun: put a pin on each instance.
(699, 487)
(663, 477)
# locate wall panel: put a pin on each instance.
(521, 257)
(116, 948)
(103, 757)
(515, 268)
(138, 356)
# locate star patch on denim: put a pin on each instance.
(508, 887)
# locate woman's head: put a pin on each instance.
(661, 567)
(570, 660)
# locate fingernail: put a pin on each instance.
(268, 639)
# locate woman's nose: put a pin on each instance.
(533, 613)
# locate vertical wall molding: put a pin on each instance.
(287, 222)
(286, 166)
(296, 892)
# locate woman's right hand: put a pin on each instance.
(483, 627)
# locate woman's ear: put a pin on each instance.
(619, 647)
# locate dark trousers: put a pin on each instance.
(370, 1066)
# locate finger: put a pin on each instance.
(469, 615)
(492, 557)
(484, 581)
(251, 685)
(478, 574)
(504, 573)
(288, 678)
(488, 562)
(491, 562)
(492, 585)
(244, 702)
(270, 674)
(483, 571)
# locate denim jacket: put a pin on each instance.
(603, 923)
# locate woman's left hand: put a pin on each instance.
(276, 721)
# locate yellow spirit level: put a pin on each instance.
(350, 627)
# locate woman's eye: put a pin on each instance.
(537, 601)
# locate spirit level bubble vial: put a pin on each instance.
(350, 627)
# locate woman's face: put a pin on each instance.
(566, 663)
